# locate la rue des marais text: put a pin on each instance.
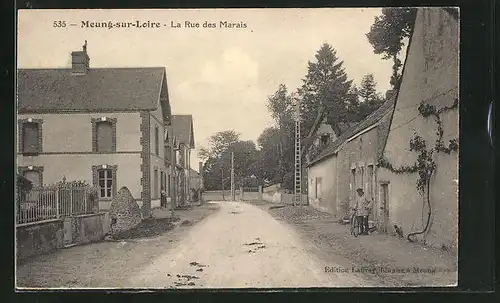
(387, 270)
(152, 24)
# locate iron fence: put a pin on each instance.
(46, 203)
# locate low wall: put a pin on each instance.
(88, 228)
(272, 197)
(33, 239)
(216, 195)
(37, 238)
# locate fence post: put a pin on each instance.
(85, 201)
(58, 214)
(71, 202)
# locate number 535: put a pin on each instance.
(59, 24)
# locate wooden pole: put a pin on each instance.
(232, 176)
(222, 185)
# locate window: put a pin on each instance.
(324, 139)
(104, 178)
(369, 181)
(157, 141)
(105, 183)
(32, 173)
(30, 136)
(318, 188)
(166, 135)
(162, 187)
(104, 135)
(155, 184)
(168, 185)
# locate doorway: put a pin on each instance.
(384, 207)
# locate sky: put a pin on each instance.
(222, 76)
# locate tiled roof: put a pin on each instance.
(373, 118)
(183, 129)
(101, 89)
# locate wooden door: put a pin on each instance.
(384, 207)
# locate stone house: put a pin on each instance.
(101, 125)
(349, 162)
(183, 131)
(430, 78)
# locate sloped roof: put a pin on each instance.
(373, 118)
(101, 89)
(183, 129)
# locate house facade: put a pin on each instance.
(430, 78)
(101, 125)
(349, 163)
(183, 132)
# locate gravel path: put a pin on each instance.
(242, 246)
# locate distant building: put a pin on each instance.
(183, 131)
(101, 125)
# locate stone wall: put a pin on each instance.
(88, 228)
(38, 238)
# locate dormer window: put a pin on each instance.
(325, 138)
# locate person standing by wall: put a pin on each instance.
(364, 208)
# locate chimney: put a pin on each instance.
(80, 61)
(389, 93)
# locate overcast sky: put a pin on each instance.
(221, 76)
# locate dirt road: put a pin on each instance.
(242, 246)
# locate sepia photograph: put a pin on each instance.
(237, 148)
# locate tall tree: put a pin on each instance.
(218, 143)
(368, 90)
(387, 33)
(280, 105)
(325, 84)
(370, 99)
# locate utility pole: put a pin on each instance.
(222, 185)
(232, 176)
(298, 164)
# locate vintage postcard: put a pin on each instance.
(237, 148)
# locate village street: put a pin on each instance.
(239, 245)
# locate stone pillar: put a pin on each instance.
(241, 193)
(260, 192)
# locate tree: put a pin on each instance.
(269, 160)
(326, 84)
(281, 106)
(218, 159)
(387, 33)
(370, 99)
(368, 90)
(218, 143)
